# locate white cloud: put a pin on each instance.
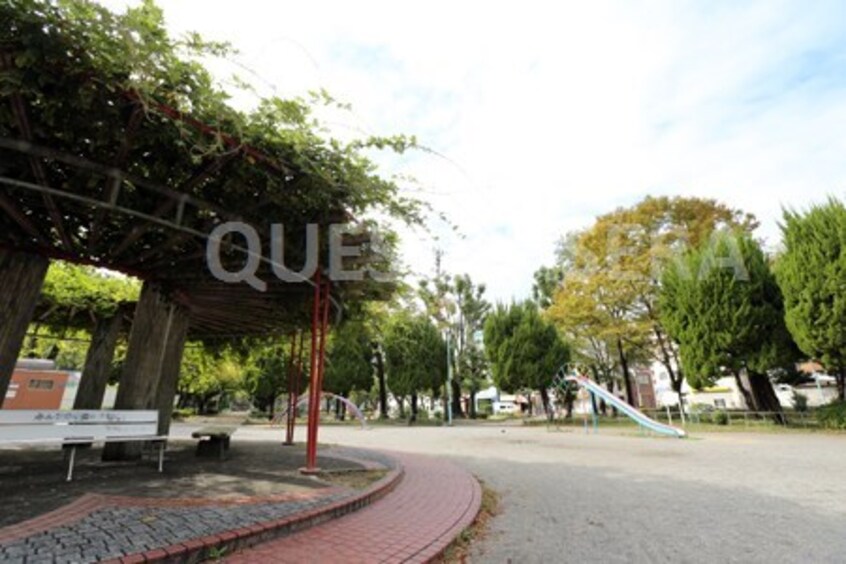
(550, 115)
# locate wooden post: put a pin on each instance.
(290, 419)
(145, 360)
(98, 363)
(171, 362)
(21, 278)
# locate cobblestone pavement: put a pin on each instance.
(102, 527)
(434, 502)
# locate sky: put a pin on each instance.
(540, 116)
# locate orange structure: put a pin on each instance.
(36, 388)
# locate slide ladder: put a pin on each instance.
(641, 419)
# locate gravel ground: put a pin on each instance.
(616, 497)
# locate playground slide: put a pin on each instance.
(630, 411)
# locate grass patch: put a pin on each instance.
(354, 479)
(459, 549)
(736, 424)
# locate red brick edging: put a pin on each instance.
(196, 550)
(433, 504)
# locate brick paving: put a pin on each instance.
(101, 527)
(434, 502)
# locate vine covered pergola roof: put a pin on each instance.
(116, 150)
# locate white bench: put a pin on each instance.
(80, 427)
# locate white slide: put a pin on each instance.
(630, 411)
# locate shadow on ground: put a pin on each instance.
(32, 480)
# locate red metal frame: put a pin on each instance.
(319, 330)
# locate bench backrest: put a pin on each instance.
(33, 425)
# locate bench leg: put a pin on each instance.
(70, 463)
(161, 456)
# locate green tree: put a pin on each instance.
(722, 305)
(470, 362)
(207, 375)
(524, 349)
(811, 272)
(349, 363)
(415, 355)
(458, 305)
(547, 279)
(266, 376)
(73, 300)
(437, 295)
(73, 294)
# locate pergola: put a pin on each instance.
(94, 172)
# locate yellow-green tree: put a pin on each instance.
(607, 300)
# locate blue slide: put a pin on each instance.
(630, 411)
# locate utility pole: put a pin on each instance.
(449, 379)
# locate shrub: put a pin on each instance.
(719, 417)
(800, 402)
(833, 415)
(182, 413)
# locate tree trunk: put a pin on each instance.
(610, 387)
(413, 418)
(383, 388)
(472, 405)
(457, 410)
(569, 399)
(171, 363)
(145, 361)
(545, 400)
(747, 397)
(337, 409)
(601, 408)
(673, 371)
(98, 363)
(21, 278)
(764, 397)
(631, 399)
(401, 403)
(841, 384)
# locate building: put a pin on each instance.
(644, 388)
(36, 384)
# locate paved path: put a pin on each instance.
(571, 497)
(434, 502)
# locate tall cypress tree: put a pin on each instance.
(721, 303)
(812, 274)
